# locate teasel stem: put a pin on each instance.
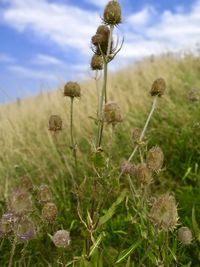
(72, 132)
(111, 144)
(103, 97)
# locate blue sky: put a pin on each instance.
(44, 43)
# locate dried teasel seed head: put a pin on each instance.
(96, 62)
(20, 202)
(44, 194)
(136, 133)
(163, 213)
(7, 224)
(143, 175)
(155, 158)
(185, 235)
(112, 113)
(158, 87)
(112, 13)
(61, 239)
(72, 89)
(103, 30)
(127, 168)
(26, 229)
(49, 213)
(55, 123)
(26, 183)
(99, 39)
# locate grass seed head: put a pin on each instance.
(96, 62)
(112, 113)
(44, 194)
(155, 158)
(112, 13)
(185, 235)
(72, 89)
(49, 213)
(163, 213)
(61, 239)
(55, 123)
(158, 87)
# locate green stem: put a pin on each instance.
(71, 133)
(10, 264)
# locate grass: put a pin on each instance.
(122, 239)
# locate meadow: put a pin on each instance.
(115, 210)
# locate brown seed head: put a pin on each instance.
(112, 13)
(96, 62)
(26, 229)
(185, 235)
(103, 30)
(55, 123)
(49, 213)
(155, 158)
(61, 239)
(72, 89)
(44, 194)
(164, 213)
(158, 87)
(112, 113)
(143, 175)
(26, 183)
(136, 133)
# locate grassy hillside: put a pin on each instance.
(29, 148)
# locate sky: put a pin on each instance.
(44, 43)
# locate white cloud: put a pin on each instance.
(142, 17)
(5, 58)
(42, 59)
(98, 3)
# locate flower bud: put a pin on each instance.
(164, 213)
(112, 113)
(26, 230)
(72, 89)
(55, 123)
(44, 194)
(96, 62)
(158, 87)
(112, 13)
(127, 168)
(185, 235)
(155, 158)
(49, 212)
(61, 239)
(143, 175)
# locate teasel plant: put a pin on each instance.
(102, 45)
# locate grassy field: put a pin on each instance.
(96, 193)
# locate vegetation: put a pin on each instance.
(91, 182)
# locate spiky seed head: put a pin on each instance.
(61, 239)
(103, 30)
(155, 158)
(26, 229)
(143, 175)
(96, 62)
(49, 213)
(44, 194)
(112, 13)
(26, 183)
(55, 123)
(136, 133)
(163, 213)
(112, 113)
(127, 168)
(185, 235)
(158, 87)
(72, 89)
(20, 202)
(7, 224)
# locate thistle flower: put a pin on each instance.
(112, 113)
(7, 224)
(163, 213)
(112, 13)
(72, 89)
(26, 183)
(49, 212)
(185, 235)
(158, 87)
(127, 168)
(20, 202)
(44, 194)
(143, 175)
(96, 62)
(61, 239)
(26, 229)
(155, 158)
(55, 123)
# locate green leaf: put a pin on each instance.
(127, 252)
(96, 244)
(195, 224)
(110, 212)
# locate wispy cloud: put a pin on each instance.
(5, 58)
(141, 18)
(46, 60)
